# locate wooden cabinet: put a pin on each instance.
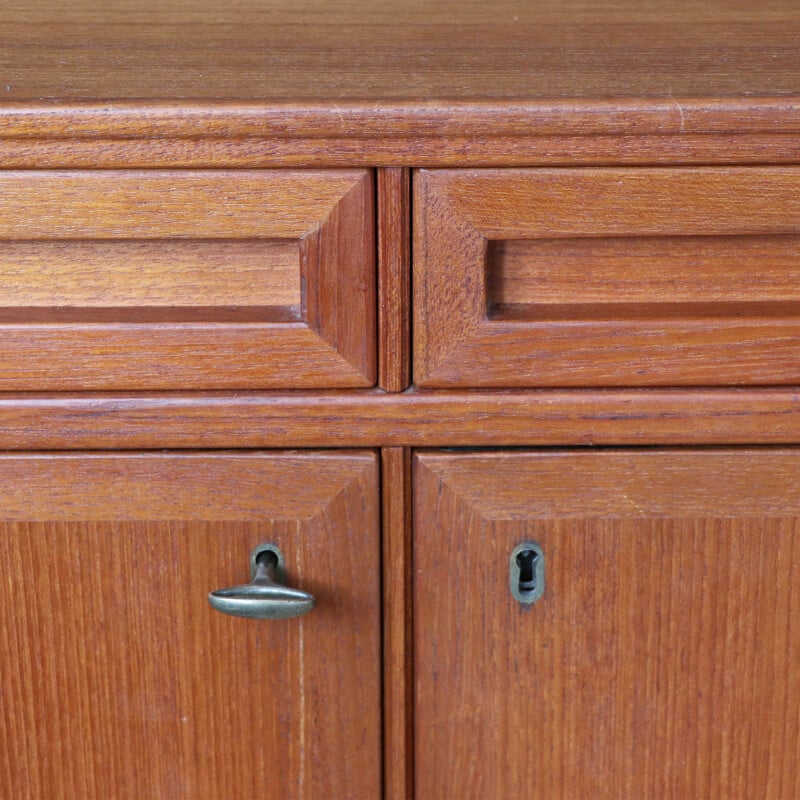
(661, 659)
(276, 272)
(119, 680)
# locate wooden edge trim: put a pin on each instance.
(394, 278)
(398, 687)
(418, 118)
(525, 150)
(412, 419)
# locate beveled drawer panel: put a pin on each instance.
(186, 279)
(607, 277)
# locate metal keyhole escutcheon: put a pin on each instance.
(526, 573)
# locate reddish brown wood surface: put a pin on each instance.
(168, 204)
(151, 274)
(394, 279)
(431, 149)
(421, 419)
(522, 273)
(398, 687)
(119, 680)
(158, 280)
(310, 51)
(706, 323)
(228, 278)
(397, 83)
(661, 660)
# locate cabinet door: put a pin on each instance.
(661, 660)
(118, 680)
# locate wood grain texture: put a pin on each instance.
(161, 273)
(118, 679)
(145, 281)
(394, 279)
(691, 335)
(398, 677)
(311, 51)
(413, 418)
(203, 336)
(448, 122)
(391, 83)
(198, 204)
(661, 660)
(338, 271)
(431, 150)
(641, 269)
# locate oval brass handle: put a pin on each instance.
(264, 597)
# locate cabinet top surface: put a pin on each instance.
(312, 51)
(400, 59)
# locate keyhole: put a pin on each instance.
(526, 578)
(526, 560)
(269, 558)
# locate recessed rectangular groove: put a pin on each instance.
(167, 273)
(676, 312)
(710, 274)
(202, 316)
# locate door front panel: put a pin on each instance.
(186, 279)
(606, 277)
(119, 680)
(661, 660)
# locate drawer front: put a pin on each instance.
(119, 680)
(607, 277)
(186, 279)
(660, 660)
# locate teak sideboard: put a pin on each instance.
(478, 322)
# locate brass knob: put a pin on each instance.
(265, 597)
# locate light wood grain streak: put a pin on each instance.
(397, 625)
(347, 419)
(394, 278)
(150, 273)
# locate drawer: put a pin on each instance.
(187, 279)
(121, 681)
(659, 661)
(607, 277)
